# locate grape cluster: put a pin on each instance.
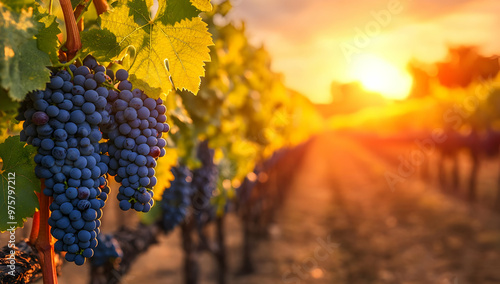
(134, 132)
(176, 199)
(204, 183)
(63, 121)
(107, 250)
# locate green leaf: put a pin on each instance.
(202, 5)
(18, 5)
(75, 3)
(17, 159)
(170, 51)
(22, 64)
(101, 44)
(28, 72)
(174, 11)
(48, 29)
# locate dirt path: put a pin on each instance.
(343, 224)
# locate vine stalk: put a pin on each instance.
(101, 6)
(35, 226)
(44, 242)
(73, 42)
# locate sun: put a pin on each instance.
(378, 75)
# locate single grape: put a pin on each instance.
(121, 75)
(40, 118)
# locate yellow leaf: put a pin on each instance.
(166, 54)
(202, 5)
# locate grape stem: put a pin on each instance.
(44, 242)
(73, 42)
(110, 86)
(67, 64)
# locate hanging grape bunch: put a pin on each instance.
(176, 199)
(63, 121)
(204, 184)
(136, 125)
(108, 250)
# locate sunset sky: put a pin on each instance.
(310, 40)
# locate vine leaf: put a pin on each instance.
(202, 5)
(22, 64)
(17, 158)
(174, 11)
(75, 3)
(100, 43)
(46, 37)
(18, 5)
(169, 51)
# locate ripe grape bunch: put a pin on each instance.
(134, 132)
(63, 121)
(204, 184)
(108, 250)
(176, 199)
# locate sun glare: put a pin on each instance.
(378, 75)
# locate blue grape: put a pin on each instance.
(56, 82)
(57, 97)
(125, 205)
(47, 144)
(90, 62)
(150, 103)
(90, 84)
(60, 135)
(88, 108)
(78, 80)
(125, 85)
(66, 207)
(78, 100)
(100, 77)
(67, 87)
(91, 95)
(143, 149)
(82, 70)
(77, 117)
(79, 259)
(84, 236)
(52, 111)
(143, 113)
(121, 75)
(75, 215)
(126, 95)
(41, 105)
(63, 223)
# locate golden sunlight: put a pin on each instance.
(378, 75)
